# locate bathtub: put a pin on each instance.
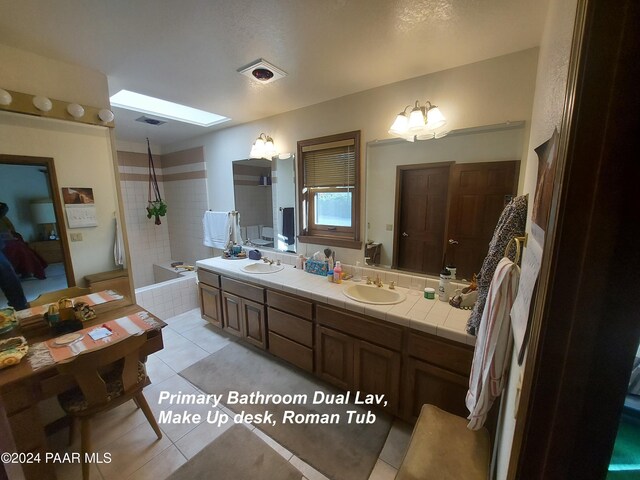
(174, 292)
(164, 271)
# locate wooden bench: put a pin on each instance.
(443, 448)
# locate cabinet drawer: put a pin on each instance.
(386, 335)
(457, 358)
(291, 327)
(210, 278)
(289, 304)
(290, 351)
(243, 290)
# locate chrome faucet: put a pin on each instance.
(266, 260)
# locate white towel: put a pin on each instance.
(118, 246)
(216, 229)
(493, 345)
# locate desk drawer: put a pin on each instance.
(210, 278)
(243, 290)
(291, 327)
(290, 304)
(17, 396)
(291, 351)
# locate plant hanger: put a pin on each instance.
(155, 208)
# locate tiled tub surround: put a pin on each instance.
(416, 312)
(169, 298)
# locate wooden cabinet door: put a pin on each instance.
(210, 304)
(254, 324)
(426, 383)
(377, 370)
(232, 307)
(334, 357)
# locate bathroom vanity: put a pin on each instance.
(414, 352)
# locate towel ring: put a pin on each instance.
(520, 242)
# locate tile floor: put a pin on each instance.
(137, 454)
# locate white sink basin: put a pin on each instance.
(261, 267)
(373, 295)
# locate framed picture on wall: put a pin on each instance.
(80, 207)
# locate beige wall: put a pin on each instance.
(483, 93)
(548, 103)
(82, 154)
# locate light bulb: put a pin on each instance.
(75, 110)
(5, 97)
(42, 103)
(106, 115)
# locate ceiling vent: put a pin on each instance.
(262, 71)
(150, 121)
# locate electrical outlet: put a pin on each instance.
(389, 227)
(76, 237)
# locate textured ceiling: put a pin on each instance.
(188, 51)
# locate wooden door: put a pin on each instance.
(421, 213)
(254, 323)
(479, 193)
(334, 357)
(232, 307)
(210, 305)
(426, 383)
(377, 370)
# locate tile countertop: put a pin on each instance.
(430, 316)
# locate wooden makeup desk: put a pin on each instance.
(21, 388)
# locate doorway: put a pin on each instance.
(421, 211)
(35, 239)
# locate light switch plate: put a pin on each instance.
(76, 237)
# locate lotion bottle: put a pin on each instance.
(443, 286)
(337, 273)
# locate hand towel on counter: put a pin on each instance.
(491, 357)
(216, 229)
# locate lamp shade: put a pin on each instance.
(416, 119)
(400, 126)
(435, 118)
(42, 212)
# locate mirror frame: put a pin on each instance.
(57, 204)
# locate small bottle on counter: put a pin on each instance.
(337, 273)
(330, 276)
(300, 262)
(357, 272)
(443, 286)
(430, 293)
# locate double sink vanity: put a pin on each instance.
(352, 335)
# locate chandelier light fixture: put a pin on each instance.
(421, 123)
(263, 147)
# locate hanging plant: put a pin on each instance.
(156, 208)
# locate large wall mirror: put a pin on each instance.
(438, 201)
(264, 194)
(38, 157)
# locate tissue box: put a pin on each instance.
(316, 267)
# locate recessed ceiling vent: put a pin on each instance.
(150, 121)
(262, 71)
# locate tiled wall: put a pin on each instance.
(185, 184)
(148, 242)
(182, 181)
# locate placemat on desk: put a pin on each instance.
(91, 299)
(45, 353)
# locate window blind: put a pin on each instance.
(330, 165)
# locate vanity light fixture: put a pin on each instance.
(421, 124)
(5, 97)
(263, 147)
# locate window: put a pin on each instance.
(328, 187)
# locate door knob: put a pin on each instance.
(405, 234)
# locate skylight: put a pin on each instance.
(162, 108)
